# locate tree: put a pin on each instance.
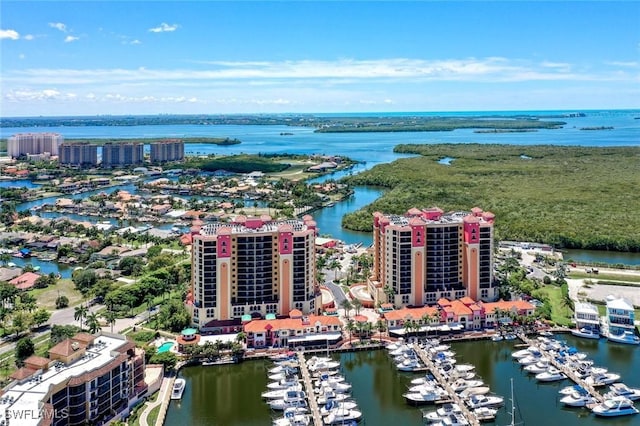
(174, 316)
(40, 316)
(80, 313)
(346, 305)
(20, 322)
(130, 265)
(168, 359)
(61, 332)
(24, 348)
(110, 317)
(62, 302)
(390, 293)
(381, 327)
(351, 327)
(27, 301)
(84, 280)
(93, 324)
(335, 266)
(357, 305)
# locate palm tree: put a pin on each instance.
(351, 327)
(110, 318)
(390, 293)
(357, 305)
(80, 314)
(346, 305)
(381, 327)
(93, 323)
(335, 266)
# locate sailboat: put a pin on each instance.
(513, 409)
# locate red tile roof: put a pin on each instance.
(411, 313)
(66, 348)
(519, 305)
(258, 326)
(25, 281)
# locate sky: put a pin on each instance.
(228, 57)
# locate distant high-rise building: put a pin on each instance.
(78, 154)
(167, 150)
(33, 144)
(122, 154)
(426, 255)
(253, 266)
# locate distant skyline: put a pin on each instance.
(218, 57)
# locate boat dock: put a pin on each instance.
(306, 380)
(565, 369)
(471, 418)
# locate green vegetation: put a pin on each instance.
(245, 164)
(435, 124)
(574, 197)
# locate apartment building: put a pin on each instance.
(78, 154)
(167, 150)
(122, 154)
(33, 144)
(425, 255)
(87, 379)
(252, 267)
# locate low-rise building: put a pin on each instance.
(88, 379)
(296, 331)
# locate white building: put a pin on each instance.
(33, 144)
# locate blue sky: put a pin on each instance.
(124, 57)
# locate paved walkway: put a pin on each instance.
(163, 399)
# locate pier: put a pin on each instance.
(571, 375)
(471, 418)
(308, 386)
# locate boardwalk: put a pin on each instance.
(473, 420)
(306, 379)
(565, 369)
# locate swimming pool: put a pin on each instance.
(165, 347)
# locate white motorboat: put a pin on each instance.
(323, 366)
(551, 375)
(586, 333)
(330, 395)
(284, 383)
(409, 365)
(424, 395)
(524, 352)
(480, 390)
(454, 419)
(292, 399)
(333, 405)
(497, 337)
(477, 401)
(464, 368)
(620, 389)
(294, 417)
(282, 375)
(330, 380)
(279, 393)
(342, 417)
(178, 388)
(281, 367)
(339, 387)
(461, 384)
(485, 413)
(400, 350)
(424, 380)
(530, 359)
(444, 410)
(537, 368)
(627, 337)
(618, 406)
(568, 390)
(578, 399)
(601, 379)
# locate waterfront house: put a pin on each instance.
(587, 316)
(25, 281)
(620, 315)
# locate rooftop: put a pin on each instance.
(26, 395)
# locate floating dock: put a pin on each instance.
(308, 387)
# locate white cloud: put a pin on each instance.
(70, 38)
(136, 41)
(164, 27)
(21, 56)
(26, 95)
(9, 34)
(29, 37)
(58, 26)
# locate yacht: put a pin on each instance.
(454, 419)
(586, 332)
(551, 375)
(568, 390)
(578, 399)
(444, 410)
(279, 393)
(293, 417)
(618, 406)
(342, 417)
(332, 406)
(330, 395)
(537, 368)
(424, 395)
(284, 383)
(620, 389)
(339, 387)
(480, 390)
(178, 388)
(409, 365)
(461, 384)
(497, 337)
(477, 401)
(601, 379)
(291, 399)
(485, 413)
(628, 337)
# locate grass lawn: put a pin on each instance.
(605, 277)
(153, 415)
(46, 297)
(559, 313)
